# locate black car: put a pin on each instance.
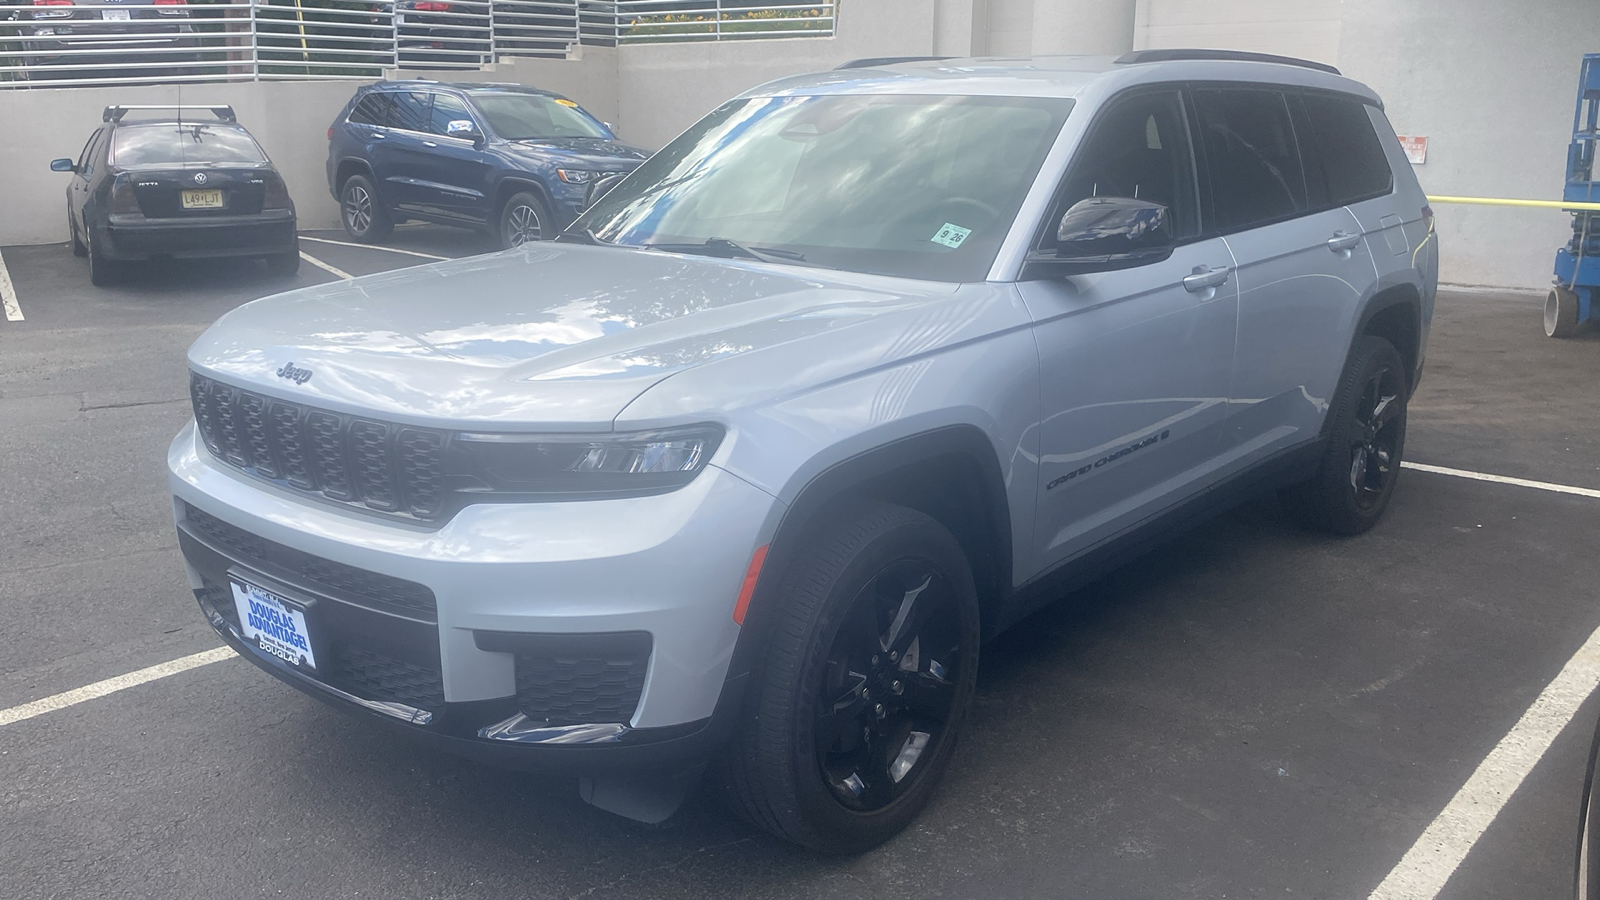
(515, 161)
(176, 187)
(63, 39)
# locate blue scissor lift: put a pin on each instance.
(1575, 299)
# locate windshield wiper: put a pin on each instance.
(720, 246)
(584, 236)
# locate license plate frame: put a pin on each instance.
(116, 15)
(274, 623)
(207, 199)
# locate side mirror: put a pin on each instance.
(62, 165)
(1102, 234)
(601, 186)
(463, 129)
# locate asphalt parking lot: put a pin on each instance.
(1252, 711)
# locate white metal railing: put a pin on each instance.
(64, 42)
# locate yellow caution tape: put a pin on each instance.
(1498, 201)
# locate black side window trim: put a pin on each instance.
(1053, 211)
(1291, 94)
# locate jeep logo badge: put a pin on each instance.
(294, 374)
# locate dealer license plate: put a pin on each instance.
(273, 624)
(202, 199)
(114, 15)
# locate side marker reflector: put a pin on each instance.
(749, 587)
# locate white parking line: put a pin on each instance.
(8, 294)
(304, 237)
(1503, 479)
(338, 273)
(112, 685)
(1423, 871)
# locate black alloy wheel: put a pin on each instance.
(1375, 439)
(888, 686)
(1366, 435)
(362, 215)
(869, 662)
(523, 219)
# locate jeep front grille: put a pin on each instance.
(383, 466)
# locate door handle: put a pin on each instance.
(1204, 278)
(377, 136)
(1341, 241)
(429, 144)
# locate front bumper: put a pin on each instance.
(190, 238)
(505, 580)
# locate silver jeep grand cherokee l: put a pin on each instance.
(858, 371)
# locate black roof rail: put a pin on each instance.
(875, 61)
(1177, 55)
(115, 113)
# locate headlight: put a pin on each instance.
(562, 466)
(575, 176)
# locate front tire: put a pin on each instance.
(523, 219)
(360, 211)
(1560, 313)
(853, 716)
(1366, 437)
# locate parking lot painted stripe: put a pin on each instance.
(8, 294)
(1423, 871)
(112, 685)
(373, 247)
(340, 273)
(1503, 479)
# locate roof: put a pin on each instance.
(1052, 76)
(414, 84)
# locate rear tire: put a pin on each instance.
(1560, 313)
(102, 272)
(360, 211)
(524, 219)
(1366, 437)
(852, 716)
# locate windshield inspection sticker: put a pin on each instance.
(951, 235)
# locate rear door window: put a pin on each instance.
(1340, 146)
(1252, 161)
(86, 158)
(411, 110)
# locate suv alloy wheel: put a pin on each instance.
(867, 677)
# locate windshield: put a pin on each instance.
(169, 144)
(918, 186)
(521, 117)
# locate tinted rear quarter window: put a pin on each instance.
(1251, 157)
(1346, 149)
(374, 109)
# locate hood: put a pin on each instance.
(544, 337)
(622, 157)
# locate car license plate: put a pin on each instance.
(114, 15)
(202, 199)
(273, 625)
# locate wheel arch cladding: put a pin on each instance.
(517, 184)
(346, 169)
(1395, 314)
(950, 474)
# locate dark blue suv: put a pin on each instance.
(514, 161)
